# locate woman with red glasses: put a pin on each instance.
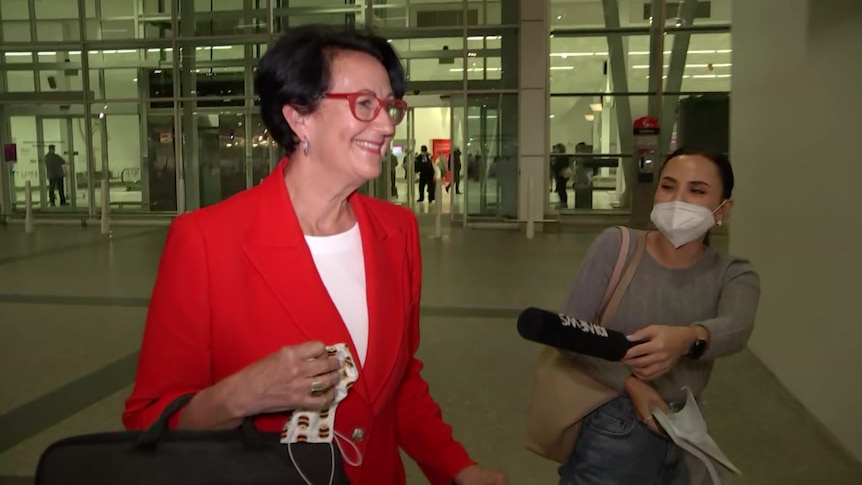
(251, 291)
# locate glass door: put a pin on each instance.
(481, 158)
(490, 156)
(263, 151)
(64, 175)
(409, 155)
(23, 132)
(457, 162)
(159, 194)
(221, 137)
(399, 156)
(125, 158)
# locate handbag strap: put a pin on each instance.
(617, 272)
(618, 290)
(152, 434)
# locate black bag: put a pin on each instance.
(161, 456)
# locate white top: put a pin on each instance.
(341, 266)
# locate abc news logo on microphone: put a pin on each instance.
(583, 326)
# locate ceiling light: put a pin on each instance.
(596, 106)
(589, 117)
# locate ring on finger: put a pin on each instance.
(317, 387)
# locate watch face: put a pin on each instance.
(697, 349)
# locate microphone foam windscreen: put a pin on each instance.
(567, 333)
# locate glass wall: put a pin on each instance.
(601, 62)
(151, 95)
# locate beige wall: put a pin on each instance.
(797, 152)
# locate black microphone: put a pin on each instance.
(567, 333)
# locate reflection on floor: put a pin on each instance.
(483, 199)
(73, 305)
(120, 197)
(601, 200)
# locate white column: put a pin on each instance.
(533, 108)
(597, 128)
(795, 153)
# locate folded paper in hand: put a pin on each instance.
(687, 429)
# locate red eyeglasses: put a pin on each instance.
(366, 106)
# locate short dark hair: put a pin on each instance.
(721, 161)
(424, 148)
(296, 70)
(51, 147)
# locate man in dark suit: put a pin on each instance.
(56, 176)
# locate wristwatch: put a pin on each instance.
(698, 348)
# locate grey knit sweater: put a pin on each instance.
(719, 292)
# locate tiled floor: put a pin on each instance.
(72, 304)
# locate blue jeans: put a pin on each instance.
(614, 448)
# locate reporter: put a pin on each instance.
(688, 304)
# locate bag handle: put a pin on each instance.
(619, 284)
(625, 240)
(152, 435)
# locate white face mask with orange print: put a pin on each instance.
(319, 426)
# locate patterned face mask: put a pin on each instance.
(319, 426)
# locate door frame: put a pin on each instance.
(246, 117)
(6, 184)
(72, 156)
(410, 119)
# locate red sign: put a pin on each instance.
(10, 152)
(440, 146)
(646, 124)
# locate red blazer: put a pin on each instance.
(237, 282)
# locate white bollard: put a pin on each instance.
(438, 205)
(28, 207)
(106, 208)
(531, 219)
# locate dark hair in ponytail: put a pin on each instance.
(721, 161)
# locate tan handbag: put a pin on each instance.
(563, 391)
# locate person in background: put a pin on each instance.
(55, 172)
(583, 149)
(455, 169)
(688, 304)
(251, 290)
(408, 155)
(393, 175)
(561, 167)
(424, 168)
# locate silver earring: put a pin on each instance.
(719, 223)
(305, 146)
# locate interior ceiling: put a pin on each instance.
(577, 63)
